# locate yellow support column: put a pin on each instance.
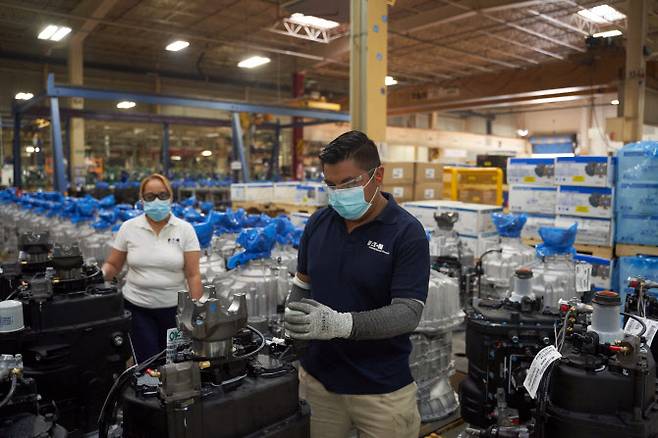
(368, 66)
(635, 83)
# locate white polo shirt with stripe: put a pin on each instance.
(155, 262)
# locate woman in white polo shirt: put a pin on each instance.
(162, 253)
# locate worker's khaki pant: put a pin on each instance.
(393, 415)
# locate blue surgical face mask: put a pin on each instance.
(158, 209)
(351, 203)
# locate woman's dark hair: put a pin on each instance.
(353, 145)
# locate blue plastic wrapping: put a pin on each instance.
(125, 215)
(102, 185)
(206, 206)
(257, 244)
(178, 210)
(107, 202)
(189, 202)
(638, 162)
(284, 229)
(192, 216)
(257, 220)
(228, 222)
(204, 232)
(509, 225)
(557, 241)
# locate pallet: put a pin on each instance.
(273, 208)
(297, 208)
(604, 252)
(623, 249)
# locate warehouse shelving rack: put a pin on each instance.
(54, 92)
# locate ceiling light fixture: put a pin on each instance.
(522, 132)
(390, 80)
(607, 34)
(614, 102)
(253, 62)
(310, 20)
(176, 158)
(601, 14)
(206, 153)
(37, 149)
(54, 33)
(177, 45)
(126, 104)
(23, 96)
(29, 149)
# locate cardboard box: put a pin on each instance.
(428, 173)
(252, 192)
(312, 194)
(478, 196)
(401, 192)
(637, 229)
(398, 173)
(589, 171)
(427, 191)
(634, 198)
(285, 192)
(474, 219)
(424, 210)
(591, 231)
(479, 244)
(532, 199)
(585, 201)
(602, 270)
(531, 171)
(534, 223)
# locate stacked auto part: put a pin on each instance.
(498, 265)
(643, 302)
(431, 357)
(502, 338)
(74, 329)
(224, 385)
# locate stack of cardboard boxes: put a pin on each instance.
(409, 181)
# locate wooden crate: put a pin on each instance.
(623, 249)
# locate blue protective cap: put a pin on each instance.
(204, 231)
(509, 225)
(257, 244)
(557, 241)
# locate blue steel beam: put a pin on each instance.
(17, 149)
(156, 99)
(58, 152)
(238, 145)
(165, 149)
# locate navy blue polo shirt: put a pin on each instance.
(360, 271)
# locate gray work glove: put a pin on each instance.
(308, 319)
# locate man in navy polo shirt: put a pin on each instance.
(365, 263)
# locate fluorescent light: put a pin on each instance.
(212, 134)
(37, 149)
(175, 158)
(206, 153)
(177, 45)
(601, 14)
(61, 33)
(48, 32)
(29, 149)
(522, 132)
(126, 104)
(390, 80)
(310, 20)
(23, 96)
(607, 34)
(253, 62)
(614, 102)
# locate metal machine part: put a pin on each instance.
(643, 302)
(498, 266)
(599, 389)
(209, 324)
(21, 412)
(34, 251)
(554, 278)
(431, 356)
(502, 338)
(605, 317)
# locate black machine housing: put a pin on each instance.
(75, 341)
(502, 338)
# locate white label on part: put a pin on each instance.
(429, 173)
(398, 192)
(583, 277)
(633, 327)
(397, 172)
(539, 365)
(175, 339)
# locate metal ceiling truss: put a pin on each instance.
(290, 28)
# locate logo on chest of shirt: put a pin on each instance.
(376, 246)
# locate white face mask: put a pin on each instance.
(351, 203)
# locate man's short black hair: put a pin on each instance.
(353, 145)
